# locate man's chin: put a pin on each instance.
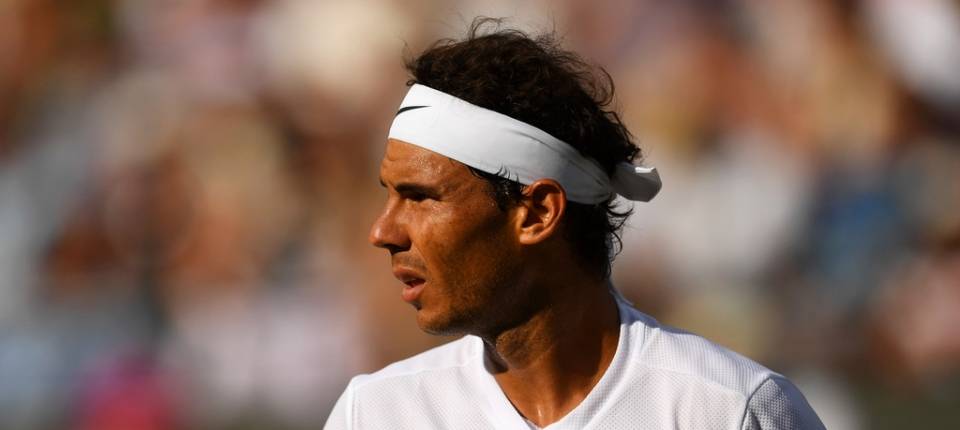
(439, 325)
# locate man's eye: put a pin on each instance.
(417, 196)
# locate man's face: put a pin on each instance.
(450, 245)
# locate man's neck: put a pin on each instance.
(549, 364)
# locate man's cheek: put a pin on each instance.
(447, 251)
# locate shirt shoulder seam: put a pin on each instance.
(375, 378)
(746, 405)
(378, 376)
(767, 375)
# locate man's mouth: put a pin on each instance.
(411, 293)
(413, 285)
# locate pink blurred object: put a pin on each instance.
(128, 393)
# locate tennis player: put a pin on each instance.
(500, 169)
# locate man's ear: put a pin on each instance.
(543, 205)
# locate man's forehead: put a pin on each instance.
(404, 161)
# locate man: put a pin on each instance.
(500, 169)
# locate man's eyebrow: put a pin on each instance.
(417, 188)
(413, 188)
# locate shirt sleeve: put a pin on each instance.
(341, 418)
(778, 405)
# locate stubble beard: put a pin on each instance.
(486, 307)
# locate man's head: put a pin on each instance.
(465, 241)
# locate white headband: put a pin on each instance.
(498, 144)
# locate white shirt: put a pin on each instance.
(659, 378)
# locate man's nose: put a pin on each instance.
(388, 233)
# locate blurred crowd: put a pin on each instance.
(186, 189)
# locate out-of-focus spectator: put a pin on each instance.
(186, 188)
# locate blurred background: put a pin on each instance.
(186, 189)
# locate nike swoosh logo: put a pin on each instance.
(406, 108)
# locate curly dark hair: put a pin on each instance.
(532, 79)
